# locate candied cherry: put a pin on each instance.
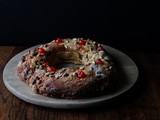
(100, 48)
(59, 40)
(52, 69)
(46, 64)
(99, 61)
(82, 42)
(81, 74)
(41, 51)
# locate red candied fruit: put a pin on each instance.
(99, 61)
(100, 48)
(52, 69)
(59, 40)
(82, 42)
(81, 74)
(46, 64)
(41, 51)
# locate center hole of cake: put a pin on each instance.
(65, 60)
(67, 65)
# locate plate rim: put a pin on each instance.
(66, 103)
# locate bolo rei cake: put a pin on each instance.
(95, 74)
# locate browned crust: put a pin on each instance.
(59, 88)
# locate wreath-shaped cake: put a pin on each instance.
(96, 73)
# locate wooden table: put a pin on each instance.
(142, 102)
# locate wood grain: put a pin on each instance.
(142, 102)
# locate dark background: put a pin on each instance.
(130, 24)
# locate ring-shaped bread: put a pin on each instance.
(97, 71)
